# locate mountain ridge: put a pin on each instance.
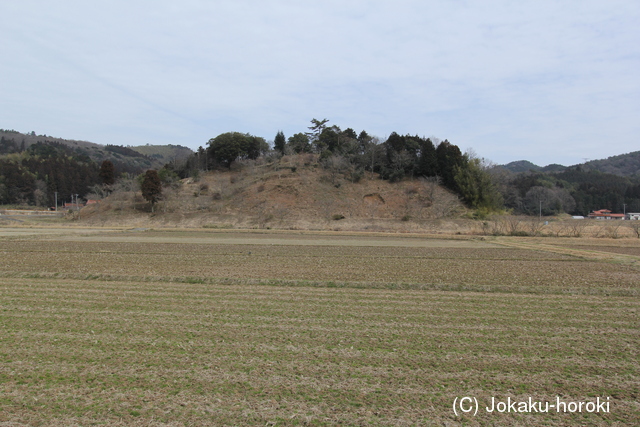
(130, 159)
(627, 164)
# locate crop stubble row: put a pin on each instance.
(251, 354)
(127, 352)
(501, 267)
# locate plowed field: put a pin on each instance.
(116, 327)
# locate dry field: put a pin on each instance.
(156, 327)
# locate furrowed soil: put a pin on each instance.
(207, 327)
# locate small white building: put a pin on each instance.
(632, 215)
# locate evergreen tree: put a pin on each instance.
(449, 158)
(330, 139)
(316, 129)
(227, 147)
(151, 187)
(427, 161)
(107, 172)
(476, 186)
(350, 133)
(364, 140)
(299, 143)
(279, 142)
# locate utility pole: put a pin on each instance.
(77, 207)
(540, 209)
(56, 197)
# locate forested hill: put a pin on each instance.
(621, 165)
(521, 166)
(612, 183)
(34, 167)
(526, 166)
(125, 159)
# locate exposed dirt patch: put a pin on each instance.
(271, 195)
(374, 198)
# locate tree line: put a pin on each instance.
(575, 191)
(32, 176)
(396, 158)
(482, 186)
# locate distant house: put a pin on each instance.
(92, 202)
(634, 216)
(605, 214)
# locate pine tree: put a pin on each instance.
(107, 173)
(151, 187)
(279, 142)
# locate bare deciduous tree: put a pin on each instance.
(430, 185)
(608, 228)
(560, 228)
(613, 230)
(577, 227)
(512, 224)
(444, 203)
(40, 193)
(534, 225)
(336, 166)
(497, 225)
(634, 225)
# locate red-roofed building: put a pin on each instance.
(605, 214)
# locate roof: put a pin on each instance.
(606, 213)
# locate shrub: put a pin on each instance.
(357, 175)
(411, 190)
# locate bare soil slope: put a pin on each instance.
(294, 192)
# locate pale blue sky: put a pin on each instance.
(547, 81)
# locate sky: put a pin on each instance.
(547, 81)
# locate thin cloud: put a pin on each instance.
(546, 81)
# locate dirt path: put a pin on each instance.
(580, 253)
(239, 237)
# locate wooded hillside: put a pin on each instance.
(34, 167)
